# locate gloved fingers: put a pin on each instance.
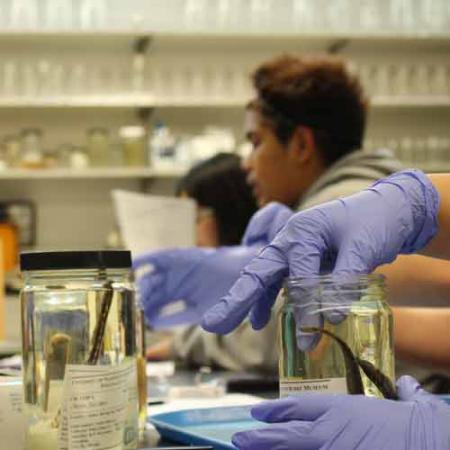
(266, 223)
(150, 289)
(261, 312)
(308, 316)
(338, 295)
(187, 316)
(409, 389)
(165, 259)
(304, 259)
(147, 259)
(307, 407)
(295, 435)
(355, 257)
(264, 271)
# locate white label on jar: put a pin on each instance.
(321, 386)
(95, 406)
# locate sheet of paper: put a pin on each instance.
(12, 422)
(149, 222)
(96, 407)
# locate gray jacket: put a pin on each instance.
(244, 348)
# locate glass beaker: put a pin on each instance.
(336, 336)
(31, 154)
(13, 150)
(79, 350)
(98, 147)
(133, 145)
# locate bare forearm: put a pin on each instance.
(439, 247)
(422, 335)
(415, 280)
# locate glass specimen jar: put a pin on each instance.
(98, 147)
(79, 350)
(336, 336)
(133, 146)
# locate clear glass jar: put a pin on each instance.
(13, 150)
(79, 350)
(336, 336)
(133, 145)
(31, 155)
(98, 148)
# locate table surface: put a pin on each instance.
(265, 386)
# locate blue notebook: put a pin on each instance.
(208, 426)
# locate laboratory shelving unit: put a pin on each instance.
(138, 80)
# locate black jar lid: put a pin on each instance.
(64, 260)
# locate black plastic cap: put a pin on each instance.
(63, 260)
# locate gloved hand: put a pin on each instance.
(266, 223)
(198, 277)
(355, 234)
(344, 422)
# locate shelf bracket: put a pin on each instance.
(141, 44)
(144, 114)
(337, 46)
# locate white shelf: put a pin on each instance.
(147, 101)
(425, 101)
(90, 173)
(278, 40)
(31, 34)
(127, 101)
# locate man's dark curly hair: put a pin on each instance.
(316, 92)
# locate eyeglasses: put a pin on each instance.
(203, 212)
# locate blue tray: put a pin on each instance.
(208, 426)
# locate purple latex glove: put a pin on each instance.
(177, 286)
(354, 234)
(420, 421)
(266, 223)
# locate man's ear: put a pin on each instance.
(302, 146)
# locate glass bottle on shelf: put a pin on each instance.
(133, 145)
(9, 237)
(31, 154)
(93, 14)
(13, 150)
(162, 146)
(9, 86)
(79, 158)
(64, 153)
(259, 11)
(402, 15)
(195, 13)
(304, 14)
(59, 14)
(98, 147)
(24, 14)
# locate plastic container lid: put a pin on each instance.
(63, 260)
(132, 132)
